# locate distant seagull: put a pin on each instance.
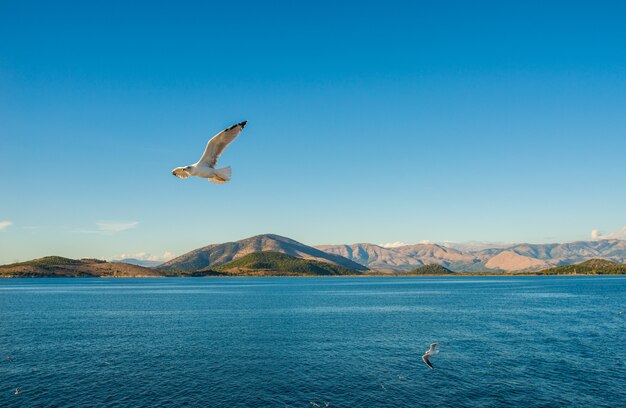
(430, 352)
(17, 391)
(205, 167)
(9, 359)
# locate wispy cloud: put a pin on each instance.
(5, 224)
(393, 244)
(115, 226)
(108, 227)
(619, 234)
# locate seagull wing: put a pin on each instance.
(427, 361)
(180, 172)
(219, 142)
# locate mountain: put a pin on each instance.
(406, 257)
(219, 254)
(56, 266)
(140, 262)
(277, 263)
(431, 269)
(590, 267)
(480, 258)
(574, 252)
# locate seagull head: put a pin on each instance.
(182, 172)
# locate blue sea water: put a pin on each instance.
(306, 342)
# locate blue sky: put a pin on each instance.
(368, 122)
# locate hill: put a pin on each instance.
(276, 263)
(431, 269)
(209, 257)
(512, 261)
(56, 266)
(590, 267)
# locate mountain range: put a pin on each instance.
(405, 258)
(336, 259)
(510, 258)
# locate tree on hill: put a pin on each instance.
(269, 262)
(590, 267)
(431, 269)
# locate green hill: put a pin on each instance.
(57, 266)
(49, 261)
(276, 263)
(590, 267)
(431, 269)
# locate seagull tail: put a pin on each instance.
(221, 175)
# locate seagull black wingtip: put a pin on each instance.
(242, 124)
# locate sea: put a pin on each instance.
(531, 341)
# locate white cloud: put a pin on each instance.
(5, 224)
(144, 256)
(115, 226)
(393, 244)
(619, 234)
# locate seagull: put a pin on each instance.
(205, 167)
(430, 352)
(17, 391)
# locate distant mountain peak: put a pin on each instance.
(141, 262)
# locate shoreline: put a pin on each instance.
(449, 275)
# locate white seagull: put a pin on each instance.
(430, 352)
(205, 167)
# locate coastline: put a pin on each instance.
(372, 275)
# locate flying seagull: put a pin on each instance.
(205, 167)
(430, 352)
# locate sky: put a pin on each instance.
(375, 122)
